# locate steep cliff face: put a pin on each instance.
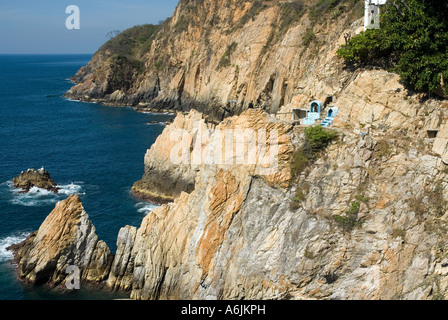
(222, 58)
(366, 220)
(190, 143)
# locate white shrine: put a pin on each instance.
(371, 13)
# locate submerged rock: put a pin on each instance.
(65, 239)
(35, 178)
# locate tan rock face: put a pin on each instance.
(220, 59)
(253, 143)
(66, 238)
(238, 236)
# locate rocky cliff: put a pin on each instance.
(366, 220)
(221, 59)
(66, 238)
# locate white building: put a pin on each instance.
(371, 13)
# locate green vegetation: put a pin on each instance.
(308, 38)
(225, 59)
(399, 233)
(316, 139)
(182, 24)
(132, 42)
(350, 220)
(323, 6)
(301, 192)
(437, 199)
(252, 13)
(123, 69)
(383, 149)
(430, 201)
(412, 41)
(291, 12)
(335, 8)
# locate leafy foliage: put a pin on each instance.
(316, 139)
(225, 59)
(413, 38)
(132, 42)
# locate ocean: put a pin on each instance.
(93, 150)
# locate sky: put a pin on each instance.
(39, 26)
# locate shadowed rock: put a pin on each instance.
(66, 238)
(35, 178)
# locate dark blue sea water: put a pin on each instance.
(89, 149)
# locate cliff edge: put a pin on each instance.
(223, 59)
(365, 220)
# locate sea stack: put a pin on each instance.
(65, 239)
(35, 178)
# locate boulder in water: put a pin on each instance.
(35, 178)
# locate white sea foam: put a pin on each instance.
(158, 113)
(7, 241)
(72, 100)
(71, 188)
(37, 197)
(157, 123)
(145, 207)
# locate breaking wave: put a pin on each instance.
(37, 197)
(145, 207)
(7, 241)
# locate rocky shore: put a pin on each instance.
(66, 238)
(366, 220)
(35, 178)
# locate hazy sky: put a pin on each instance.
(38, 26)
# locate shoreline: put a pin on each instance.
(139, 108)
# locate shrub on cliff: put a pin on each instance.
(134, 41)
(225, 59)
(316, 139)
(412, 41)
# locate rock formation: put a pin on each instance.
(222, 59)
(66, 238)
(366, 220)
(174, 160)
(163, 180)
(35, 178)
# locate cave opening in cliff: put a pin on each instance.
(432, 133)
